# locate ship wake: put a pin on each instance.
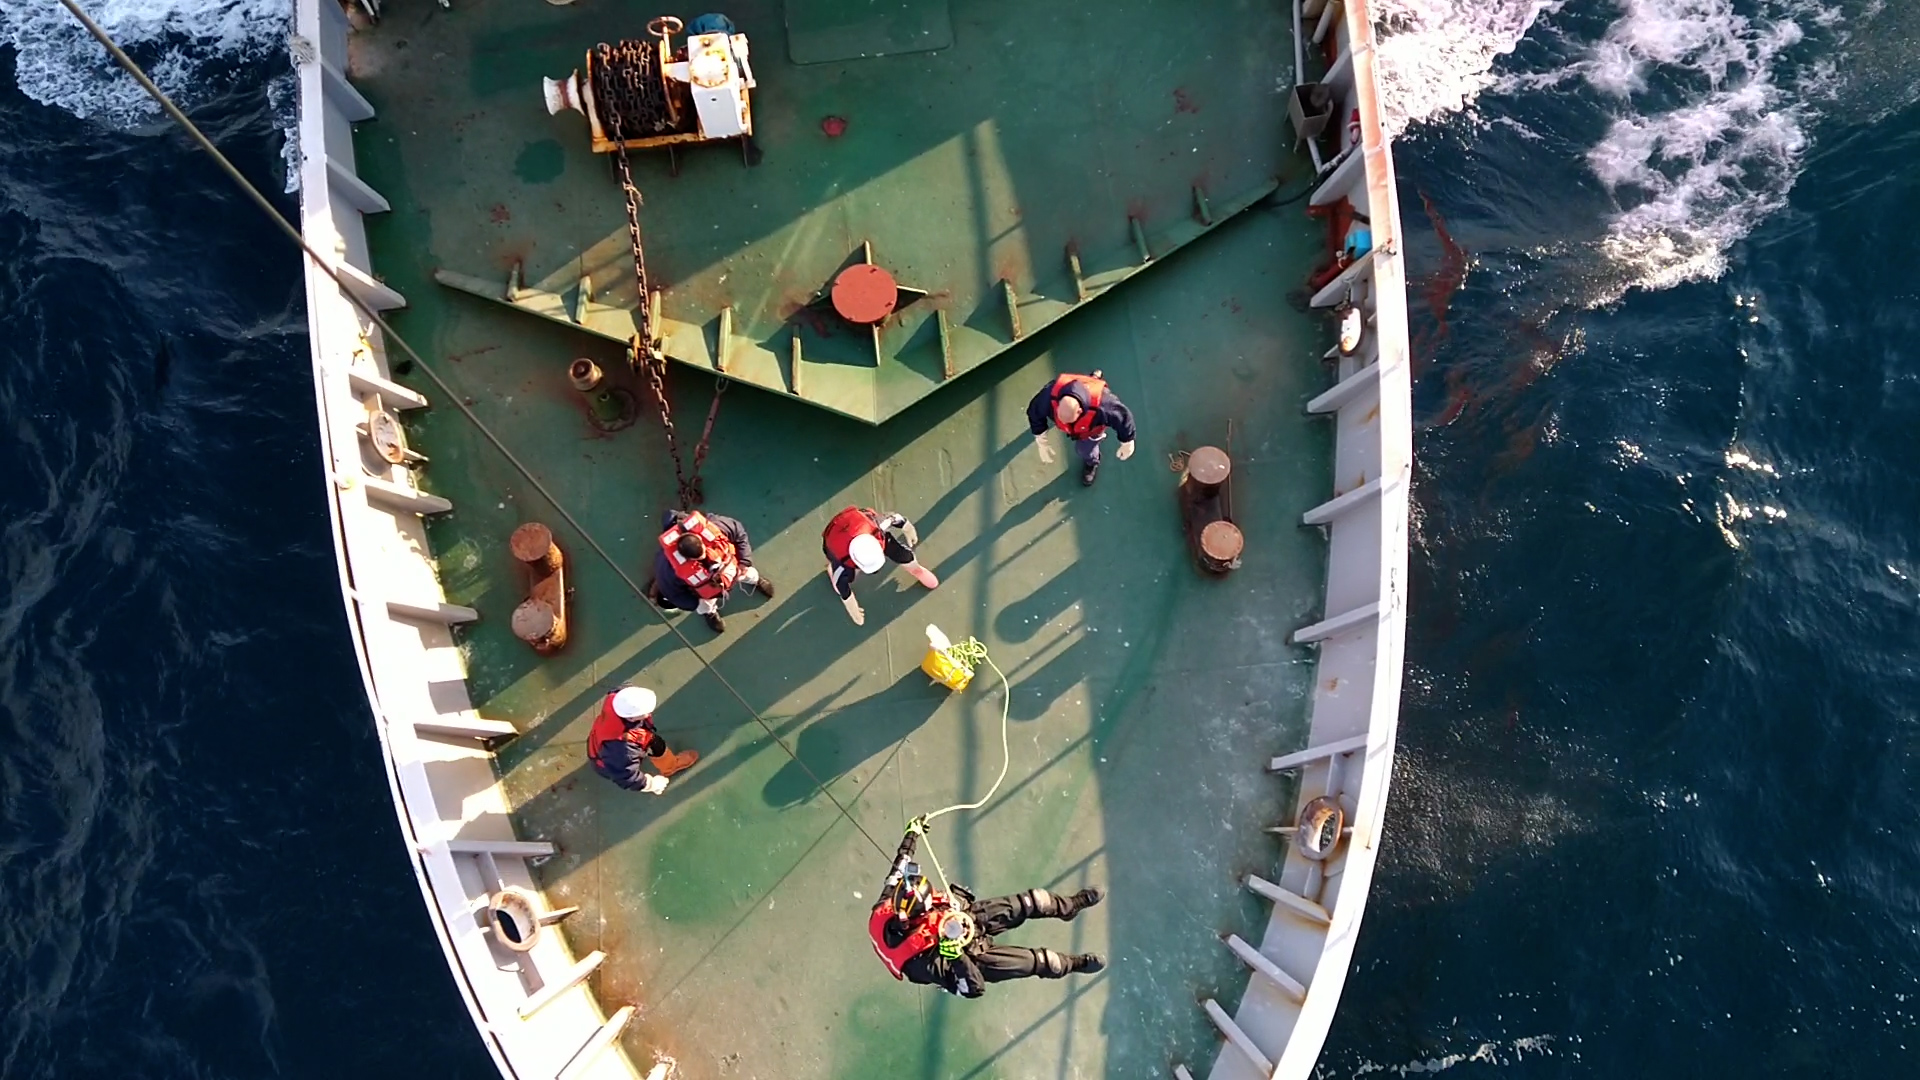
(1705, 109)
(193, 49)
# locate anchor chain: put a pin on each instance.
(645, 351)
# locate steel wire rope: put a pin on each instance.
(273, 213)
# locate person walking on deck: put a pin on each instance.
(858, 541)
(925, 936)
(623, 739)
(1084, 408)
(702, 557)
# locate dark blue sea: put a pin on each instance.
(1654, 811)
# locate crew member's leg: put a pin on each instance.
(665, 760)
(999, 963)
(999, 914)
(1089, 451)
(899, 552)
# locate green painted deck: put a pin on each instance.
(1145, 697)
(1002, 153)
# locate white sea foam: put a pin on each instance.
(1435, 56)
(1696, 176)
(1497, 1052)
(179, 40)
(1712, 102)
(185, 45)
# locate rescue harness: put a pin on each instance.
(847, 524)
(1087, 425)
(712, 574)
(610, 726)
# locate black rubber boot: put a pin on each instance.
(718, 624)
(1048, 964)
(1088, 963)
(1082, 900)
(1088, 471)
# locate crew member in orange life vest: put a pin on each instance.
(1083, 407)
(925, 936)
(859, 541)
(623, 738)
(701, 558)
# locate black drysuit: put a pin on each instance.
(983, 961)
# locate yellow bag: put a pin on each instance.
(945, 670)
(941, 665)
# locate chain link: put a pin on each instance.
(620, 82)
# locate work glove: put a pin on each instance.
(918, 826)
(1126, 450)
(854, 609)
(1046, 451)
(969, 982)
(655, 785)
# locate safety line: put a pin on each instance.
(246, 186)
(973, 649)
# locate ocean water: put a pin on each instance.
(200, 871)
(1653, 813)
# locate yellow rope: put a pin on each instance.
(971, 652)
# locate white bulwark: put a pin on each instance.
(531, 1006)
(1297, 968)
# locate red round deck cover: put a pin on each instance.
(865, 294)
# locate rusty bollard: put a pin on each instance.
(541, 620)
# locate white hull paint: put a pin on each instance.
(1300, 964)
(533, 1010)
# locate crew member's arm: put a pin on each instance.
(841, 578)
(737, 534)
(1039, 417)
(628, 757)
(897, 537)
(901, 857)
(964, 978)
(1115, 414)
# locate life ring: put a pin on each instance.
(1322, 824)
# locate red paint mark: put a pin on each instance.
(822, 321)
(500, 214)
(1458, 394)
(481, 351)
(1339, 215)
(1183, 102)
(1437, 288)
(834, 126)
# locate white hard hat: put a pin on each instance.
(633, 702)
(867, 553)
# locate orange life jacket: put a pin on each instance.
(1087, 425)
(610, 726)
(847, 524)
(712, 574)
(924, 935)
